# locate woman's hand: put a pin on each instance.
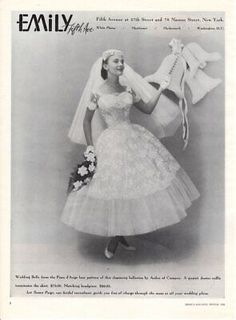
(149, 107)
(89, 149)
(89, 153)
(165, 82)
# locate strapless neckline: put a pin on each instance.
(105, 97)
(115, 94)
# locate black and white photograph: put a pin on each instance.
(117, 160)
(117, 144)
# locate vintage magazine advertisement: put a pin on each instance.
(117, 191)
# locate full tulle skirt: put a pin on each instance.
(138, 186)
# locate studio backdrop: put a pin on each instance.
(50, 69)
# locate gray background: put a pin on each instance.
(49, 72)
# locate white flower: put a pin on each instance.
(91, 167)
(82, 171)
(90, 157)
(87, 180)
(77, 185)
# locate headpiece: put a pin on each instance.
(111, 52)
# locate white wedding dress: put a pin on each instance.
(138, 186)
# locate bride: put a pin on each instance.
(138, 186)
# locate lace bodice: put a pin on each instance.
(115, 108)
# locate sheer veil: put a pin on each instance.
(129, 78)
(76, 132)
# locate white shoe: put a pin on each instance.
(108, 254)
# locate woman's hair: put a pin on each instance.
(103, 70)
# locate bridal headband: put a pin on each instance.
(111, 52)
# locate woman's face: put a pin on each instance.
(115, 64)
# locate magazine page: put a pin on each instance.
(116, 162)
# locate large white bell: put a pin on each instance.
(192, 62)
(200, 84)
(201, 55)
(174, 66)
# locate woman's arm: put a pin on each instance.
(87, 126)
(149, 107)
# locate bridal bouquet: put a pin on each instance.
(83, 172)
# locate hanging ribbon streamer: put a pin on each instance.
(182, 100)
(184, 110)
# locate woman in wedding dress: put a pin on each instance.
(138, 186)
